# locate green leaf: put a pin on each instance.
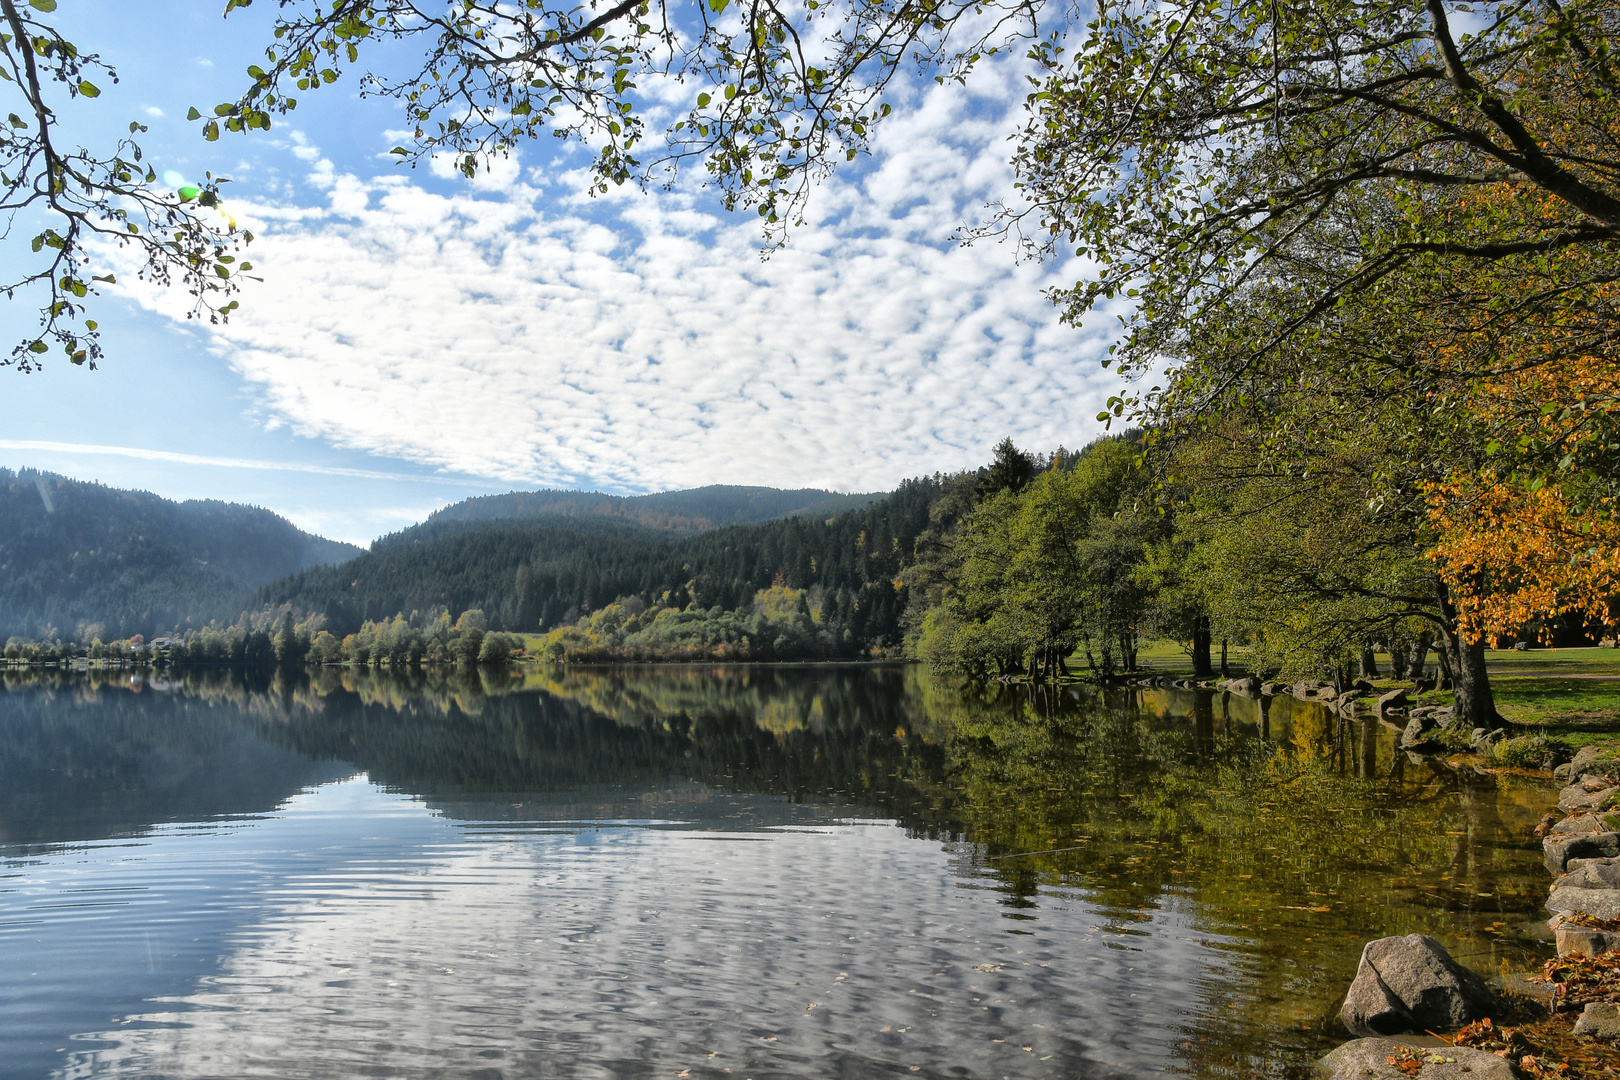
(89, 89)
(211, 131)
(42, 5)
(38, 346)
(193, 114)
(399, 150)
(703, 101)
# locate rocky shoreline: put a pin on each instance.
(1408, 989)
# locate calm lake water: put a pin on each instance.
(764, 872)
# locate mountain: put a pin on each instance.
(532, 573)
(694, 510)
(75, 553)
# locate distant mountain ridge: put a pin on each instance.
(75, 553)
(693, 510)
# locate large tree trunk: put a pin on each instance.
(1420, 655)
(1225, 671)
(1369, 663)
(1397, 655)
(1200, 648)
(1470, 682)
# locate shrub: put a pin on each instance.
(1527, 751)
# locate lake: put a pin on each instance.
(749, 872)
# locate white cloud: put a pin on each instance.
(177, 457)
(153, 111)
(638, 341)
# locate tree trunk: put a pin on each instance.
(1470, 682)
(1447, 680)
(1107, 656)
(1226, 672)
(1420, 654)
(1200, 648)
(1397, 655)
(1369, 662)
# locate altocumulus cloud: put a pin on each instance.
(511, 329)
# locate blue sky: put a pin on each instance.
(419, 338)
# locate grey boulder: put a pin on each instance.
(1559, 848)
(1412, 984)
(1585, 795)
(1370, 1058)
(1592, 888)
(1600, 1019)
(1395, 699)
(1575, 940)
(1580, 823)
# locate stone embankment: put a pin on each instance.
(1406, 986)
(1423, 728)
(1582, 852)
(1412, 985)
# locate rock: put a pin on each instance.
(1580, 823)
(1395, 699)
(1585, 795)
(1272, 689)
(1559, 848)
(1412, 983)
(1362, 686)
(1370, 1058)
(1588, 761)
(1577, 899)
(1416, 731)
(1545, 825)
(1576, 940)
(1601, 1020)
(1521, 646)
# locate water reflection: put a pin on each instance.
(623, 872)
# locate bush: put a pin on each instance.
(1454, 737)
(1527, 751)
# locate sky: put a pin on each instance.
(418, 338)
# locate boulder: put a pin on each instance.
(1411, 983)
(1577, 940)
(1395, 699)
(1588, 761)
(1585, 795)
(1366, 1058)
(1592, 888)
(1272, 689)
(1415, 731)
(1559, 848)
(1600, 1019)
(1580, 823)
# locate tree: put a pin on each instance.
(782, 92)
(1010, 469)
(1192, 150)
(80, 203)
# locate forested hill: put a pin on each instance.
(77, 556)
(529, 575)
(695, 510)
